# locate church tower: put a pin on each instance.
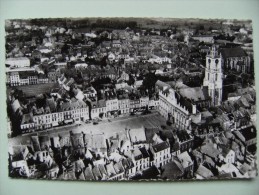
(213, 76)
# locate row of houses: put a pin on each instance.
(95, 157)
(26, 78)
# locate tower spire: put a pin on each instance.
(213, 76)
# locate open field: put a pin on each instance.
(33, 90)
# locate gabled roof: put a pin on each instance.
(172, 170)
(204, 172)
(225, 150)
(118, 167)
(209, 150)
(110, 169)
(96, 172)
(88, 174)
(144, 152)
(185, 159)
(247, 133)
(127, 163)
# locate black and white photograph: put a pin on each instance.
(130, 99)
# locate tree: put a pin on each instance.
(149, 82)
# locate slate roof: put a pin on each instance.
(150, 133)
(44, 141)
(127, 163)
(144, 152)
(248, 133)
(185, 159)
(136, 153)
(161, 146)
(172, 170)
(232, 52)
(72, 105)
(183, 136)
(204, 172)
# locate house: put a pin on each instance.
(116, 43)
(186, 162)
(111, 171)
(161, 153)
(227, 155)
(44, 157)
(44, 141)
(124, 76)
(27, 124)
(18, 157)
(211, 153)
(185, 140)
(90, 92)
(140, 158)
(130, 169)
(172, 171)
(119, 169)
(97, 144)
(81, 65)
(204, 38)
(77, 141)
(138, 83)
(247, 136)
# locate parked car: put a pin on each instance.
(87, 121)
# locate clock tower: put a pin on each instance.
(213, 76)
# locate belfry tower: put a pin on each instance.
(213, 76)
